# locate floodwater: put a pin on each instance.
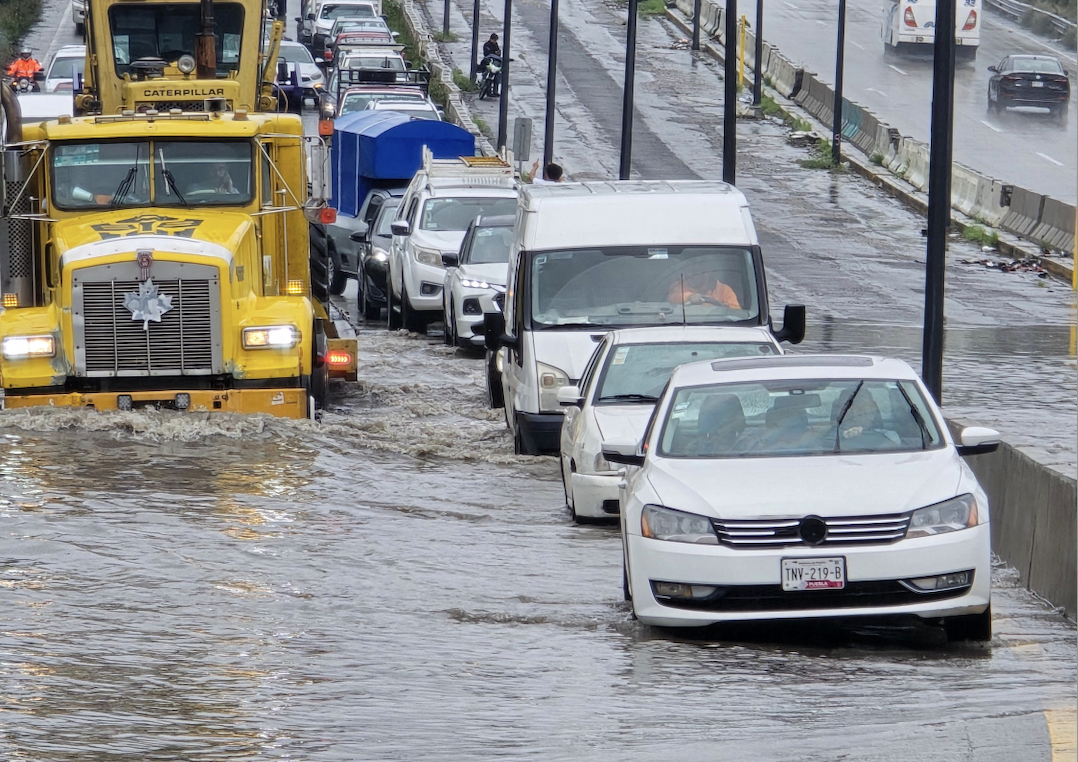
(394, 584)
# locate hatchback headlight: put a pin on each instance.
(550, 380)
(468, 283)
(425, 256)
(270, 337)
(948, 516)
(661, 523)
(22, 347)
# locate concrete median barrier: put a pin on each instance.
(1024, 212)
(786, 78)
(686, 7)
(988, 206)
(964, 184)
(917, 162)
(1056, 225)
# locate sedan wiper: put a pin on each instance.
(841, 415)
(629, 398)
(925, 436)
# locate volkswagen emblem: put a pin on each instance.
(813, 530)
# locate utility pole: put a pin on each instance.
(836, 111)
(696, 25)
(445, 22)
(758, 73)
(627, 96)
(939, 197)
(551, 84)
(475, 38)
(729, 116)
(503, 103)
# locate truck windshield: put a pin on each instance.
(168, 31)
(184, 173)
(643, 285)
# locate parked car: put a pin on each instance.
(803, 487)
(1030, 81)
(617, 394)
(359, 98)
(475, 282)
(374, 257)
(317, 18)
(415, 109)
(78, 16)
(66, 69)
(443, 197)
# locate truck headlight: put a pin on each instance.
(949, 516)
(270, 337)
(661, 523)
(550, 380)
(22, 347)
(425, 256)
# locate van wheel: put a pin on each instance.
(495, 397)
(975, 627)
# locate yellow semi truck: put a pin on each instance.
(156, 250)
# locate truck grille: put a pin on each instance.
(781, 533)
(109, 342)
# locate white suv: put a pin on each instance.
(439, 204)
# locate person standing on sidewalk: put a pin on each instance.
(552, 173)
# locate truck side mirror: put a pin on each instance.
(623, 453)
(310, 17)
(793, 324)
(450, 260)
(400, 227)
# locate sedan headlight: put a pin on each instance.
(22, 347)
(948, 516)
(270, 337)
(550, 380)
(379, 255)
(425, 256)
(468, 283)
(661, 523)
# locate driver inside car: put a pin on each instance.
(703, 288)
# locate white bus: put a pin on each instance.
(911, 25)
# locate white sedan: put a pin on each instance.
(804, 486)
(476, 283)
(617, 394)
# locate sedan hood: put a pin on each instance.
(622, 423)
(826, 486)
(494, 274)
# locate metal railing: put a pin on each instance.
(1017, 10)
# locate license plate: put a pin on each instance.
(1038, 84)
(814, 573)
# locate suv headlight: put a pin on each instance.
(660, 523)
(270, 337)
(22, 347)
(426, 256)
(949, 516)
(469, 283)
(550, 380)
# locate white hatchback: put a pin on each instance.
(804, 486)
(475, 284)
(617, 395)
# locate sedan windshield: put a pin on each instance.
(798, 418)
(456, 214)
(358, 101)
(638, 372)
(490, 246)
(340, 11)
(295, 54)
(1036, 65)
(643, 285)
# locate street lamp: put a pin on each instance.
(836, 110)
(475, 38)
(551, 83)
(503, 102)
(758, 74)
(729, 117)
(627, 95)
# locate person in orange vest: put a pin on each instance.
(703, 287)
(24, 66)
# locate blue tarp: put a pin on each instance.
(372, 147)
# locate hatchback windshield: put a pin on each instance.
(168, 31)
(456, 214)
(638, 372)
(643, 285)
(106, 175)
(295, 54)
(790, 418)
(490, 246)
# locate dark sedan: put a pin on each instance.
(1039, 81)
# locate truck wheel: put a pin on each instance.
(320, 265)
(318, 386)
(495, 397)
(976, 627)
(337, 277)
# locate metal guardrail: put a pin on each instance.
(1017, 10)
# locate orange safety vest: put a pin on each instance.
(23, 68)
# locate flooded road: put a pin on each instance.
(395, 584)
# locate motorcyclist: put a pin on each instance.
(492, 52)
(25, 66)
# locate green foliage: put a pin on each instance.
(876, 158)
(980, 235)
(439, 93)
(16, 18)
(441, 36)
(821, 158)
(483, 126)
(461, 80)
(798, 124)
(769, 107)
(651, 7)
(394, 16)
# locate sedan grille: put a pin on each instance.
(782, 533)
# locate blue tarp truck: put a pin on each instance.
(372, 158)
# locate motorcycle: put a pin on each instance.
(23, 85)
(490, 69)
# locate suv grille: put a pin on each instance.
(781, 533)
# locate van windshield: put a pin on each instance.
(643, 285)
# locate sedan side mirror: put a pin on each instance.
(569, 396)
(793, 324)
(977, 440)
(401, 227)
(624, 453)
(991, 68)
(359, 235)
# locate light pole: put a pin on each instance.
(729, 116)
(445, 22)
(627, 96)
(939, 197)
(475, 38)
(836, 111)
(551, 83)
(503, 103)
(757, 75)
(696, 25)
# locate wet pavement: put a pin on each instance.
(393, 583)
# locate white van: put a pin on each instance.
(911, 25)
(588, 258)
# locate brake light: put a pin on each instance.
(971, 21)
(338, 359)
(908, 18)
(328, 54)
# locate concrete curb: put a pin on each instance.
(975, 199)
